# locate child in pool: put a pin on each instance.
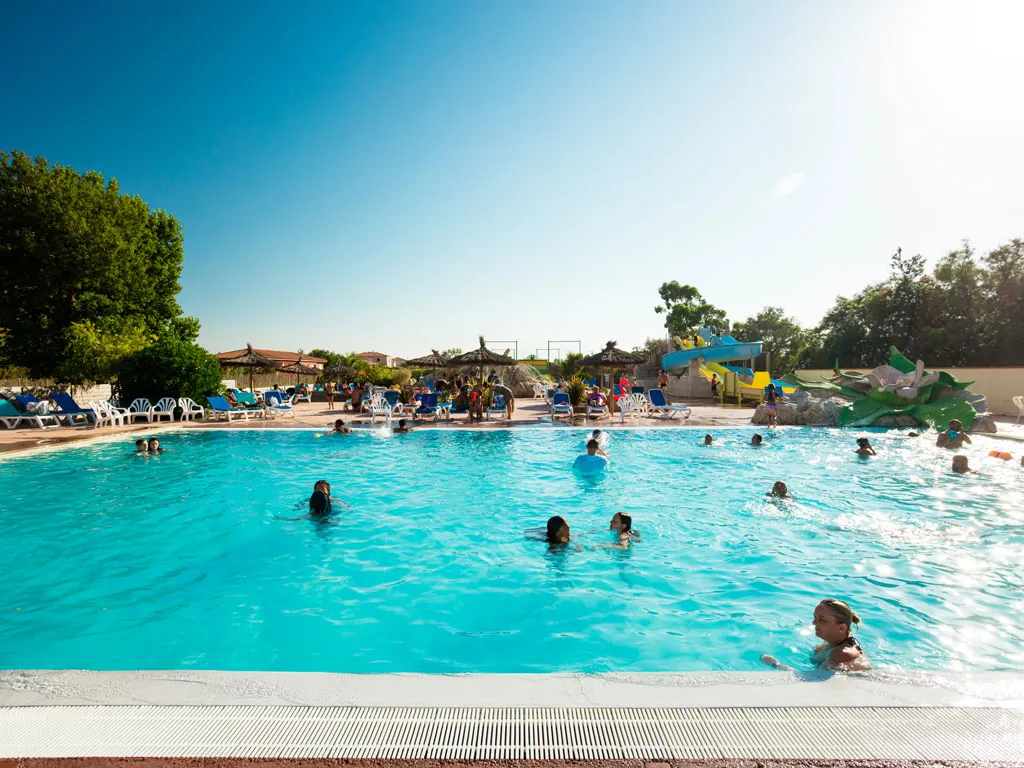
(840, 651)
(864, 447)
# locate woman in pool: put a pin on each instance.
(864, 447)
(558, 533)
(840, 651)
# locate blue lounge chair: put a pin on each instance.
(497, 407)
(71, 411)
(561, 406)
(222, 407)
(11, 417)
(660, 404)
(278, 402)
(428, 406)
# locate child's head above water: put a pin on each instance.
(708, 439)
(960, 464)
(558, 530)
(592, 446)
(780, 489)
(141, 445)
(621, 522)
(756, 439)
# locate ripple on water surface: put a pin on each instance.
(183, 560)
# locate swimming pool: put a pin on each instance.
(181, 561)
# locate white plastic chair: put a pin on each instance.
(539, 390)
(101, 413)
(1019, 402)
(118, 416)
(378, 406)
(633, 405)
(163, 408)
(190, 409)
(140, 408)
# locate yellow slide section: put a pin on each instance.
(754, 389)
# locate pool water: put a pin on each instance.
(182, 561)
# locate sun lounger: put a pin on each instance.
(560, 405)
(278, 402)
(497, 407)
(37, 411)
(597, 410)
(70, 411)
(11, 417)
(427, 407)
(660, 404)
(222, 407)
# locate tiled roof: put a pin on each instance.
(273, 354)
(372, 354)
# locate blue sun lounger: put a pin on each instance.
(70, 411)
(221, 407)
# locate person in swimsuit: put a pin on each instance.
(840, 651)
(402, 428)
(622, 524)
(662, 379)
(708, 440)
(154, 446)
(756, 439)
(864, 447)
(141, 447)
(340, 428)
(961, 466)
(779, 490)
(771, 398)
(558, 533)
(714, 386)
(329, 394)
(953, 437)
(476, 403)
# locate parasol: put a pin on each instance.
(249, 359)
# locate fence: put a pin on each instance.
(998, 385)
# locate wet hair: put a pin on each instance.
(757, 439)
(322, 484)
(862, 441)
(154, 440)
(842, 612)
(956, 424)
(779, 489)
(401, 423)
(626, 520)
(339, 422)
(592, 444)
(960, 460)
(142, 441)
(708, 438)
(554, 526)
(595, 433)
(319, 504)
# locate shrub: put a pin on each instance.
(169, 369)
(577, 389)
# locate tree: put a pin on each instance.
(571, 364)
(450, 353)
(332, 358)
(169, 368)
(782, 337)
(81, 263)
(686, 310)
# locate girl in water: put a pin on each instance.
(840, 651)
(622, 524)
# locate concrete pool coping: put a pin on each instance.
(879, 688)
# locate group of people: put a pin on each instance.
(149, 447)
(952, 438)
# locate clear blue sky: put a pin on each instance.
(401, 176)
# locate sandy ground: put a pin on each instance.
(528, 413)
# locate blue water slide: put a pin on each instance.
(714, 353)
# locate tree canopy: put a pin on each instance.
(782, 336)
(89, 275)
(686, 311)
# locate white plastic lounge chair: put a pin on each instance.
(10, 417)
(164, 408)
(539, 390)
(140, 408)
(278, 403)
(597, 410)
(660, 405)
(379, 406)
(190, 409)
(561, 406)
(497, 407)
(632, 405)
(1019, 402)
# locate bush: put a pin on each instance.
(169, 369)
(577, 389)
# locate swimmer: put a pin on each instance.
(953, 437)
(593, 461)
(402, 428)
(558, 533)
(833, 622)
(154, 446)
(319, 503)
(708, 439)
(779, 490)
(340, 428)
(141, 447)
(622, 524)
(864, 447)
(601, 437)
(756, 439)
(961, 466)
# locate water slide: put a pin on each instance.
(716, 350)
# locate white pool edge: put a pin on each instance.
(883, 688)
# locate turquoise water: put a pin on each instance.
(180, 561)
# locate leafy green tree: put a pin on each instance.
(79, 262)
(94, 351)
(782, 336)
(332, 358)
(686, 311)
(571, 364)
(169, 368)
(1003, 284)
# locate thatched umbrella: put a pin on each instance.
(481, 358)
(249, 359)
(434, 360)
(299, 369)
(611, 357)
(340, 370)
